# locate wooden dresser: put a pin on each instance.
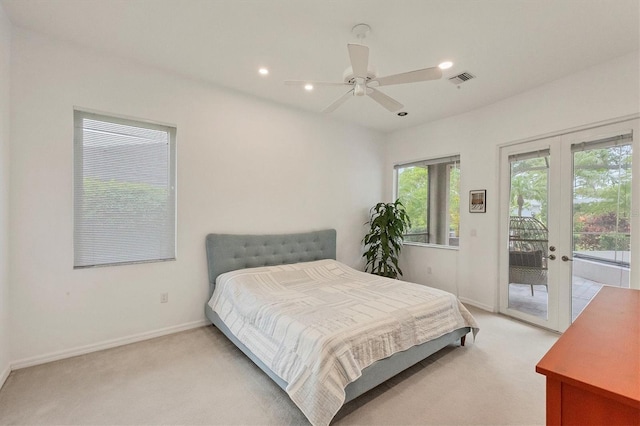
(593, 370)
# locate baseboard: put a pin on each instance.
(4, 375)
(477, 304)
(81, 350)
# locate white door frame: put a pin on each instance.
(560, 221)
(552, 144)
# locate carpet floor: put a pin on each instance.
(198, 377)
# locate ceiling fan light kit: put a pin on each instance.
(363, 79)
(361, 31)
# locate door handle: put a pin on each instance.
(566, 259)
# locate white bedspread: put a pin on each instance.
(318, 324)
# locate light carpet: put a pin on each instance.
(199, 377)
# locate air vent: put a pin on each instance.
(461, 78)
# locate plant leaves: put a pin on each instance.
(387, 225)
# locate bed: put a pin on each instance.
(249, 262)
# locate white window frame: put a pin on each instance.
(445, 160)
(78, 160)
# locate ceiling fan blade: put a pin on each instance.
(315, 83)
(424, 74)
(384, 100)
(359, 56)
(342, 99)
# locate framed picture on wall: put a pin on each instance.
(477, 201)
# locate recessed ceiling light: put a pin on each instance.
(403, 113)
(263, 71)
(445, 65)
(308, 87)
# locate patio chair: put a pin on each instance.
(528, 245)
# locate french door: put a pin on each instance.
(570, 221)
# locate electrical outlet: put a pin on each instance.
(164, 297)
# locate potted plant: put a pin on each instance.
(387, 225)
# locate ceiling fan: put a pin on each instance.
(363, 79)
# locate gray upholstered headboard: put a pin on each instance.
(228, 252)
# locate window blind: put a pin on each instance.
(618, 140)
(124, 191)
(430, 162)
(529, 155)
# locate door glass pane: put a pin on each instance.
(528, 234)
(601, 221)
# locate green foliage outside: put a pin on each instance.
(602, 196)
(529, 181)
(114, 201)
(603, 186)
(413, 193)
(454, 202)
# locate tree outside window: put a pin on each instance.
(430, 192)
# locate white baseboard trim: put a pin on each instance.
(81, 350)
(4, 375)
(477, 304)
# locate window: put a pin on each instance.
(124, 191)
(430, 192)
(602, 200)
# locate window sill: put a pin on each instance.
(436, 246)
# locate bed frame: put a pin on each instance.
(228, 252)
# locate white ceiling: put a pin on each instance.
(509, 45)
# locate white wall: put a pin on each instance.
(5, 60)
(244, 166)
(604, 92)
